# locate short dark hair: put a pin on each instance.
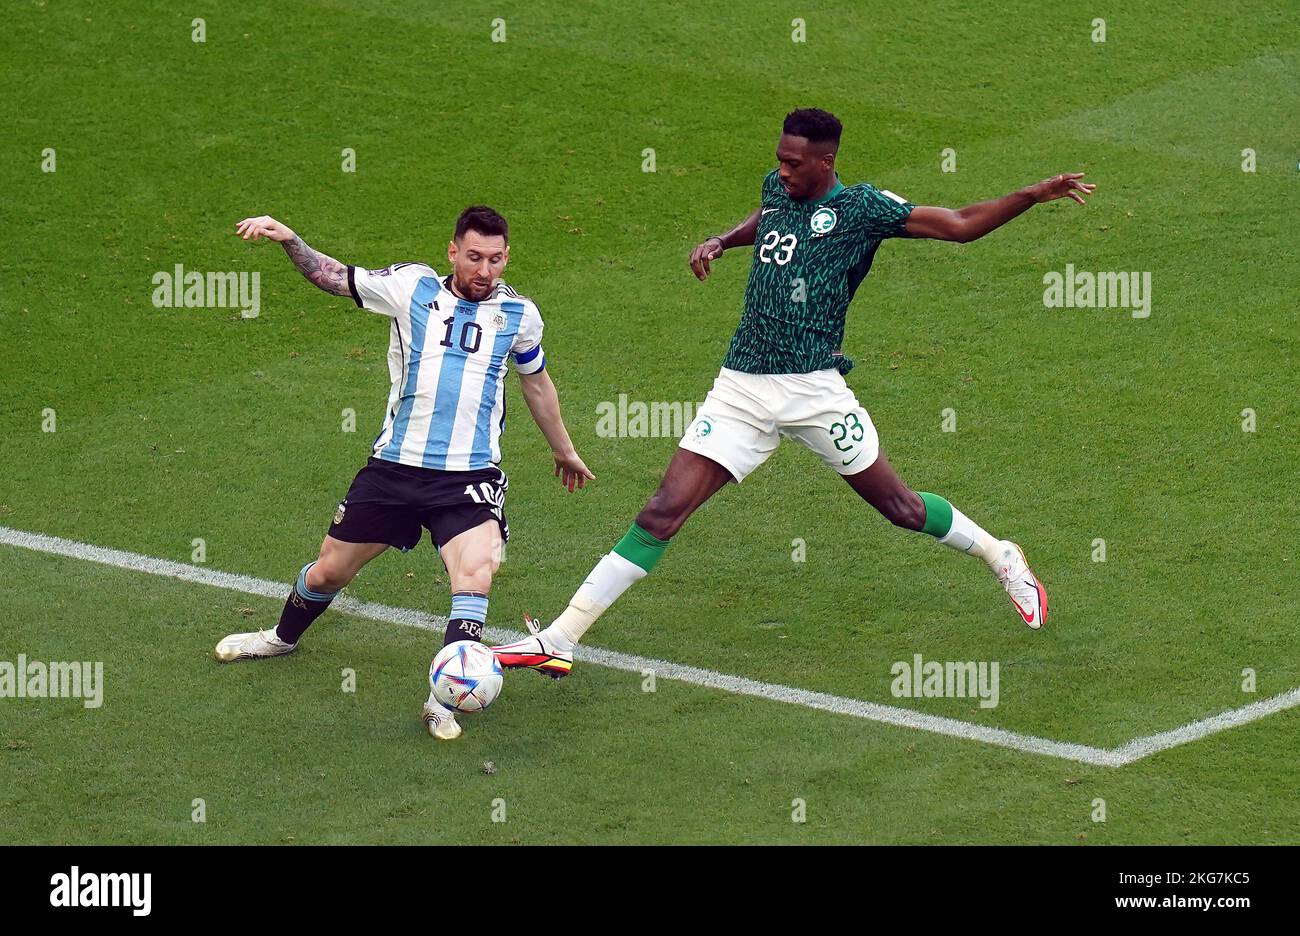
(813, 124)
(484, 220)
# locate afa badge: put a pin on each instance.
(338, 514)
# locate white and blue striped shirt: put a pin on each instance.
(447, 358)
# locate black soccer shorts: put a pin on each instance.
(389, 503)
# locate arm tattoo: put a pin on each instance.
(323, 271)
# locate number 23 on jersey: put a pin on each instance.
(777, 249)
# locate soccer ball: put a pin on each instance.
(465, 676)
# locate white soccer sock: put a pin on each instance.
(969, 537)
(612, 576)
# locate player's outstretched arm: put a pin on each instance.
(742, 235)
(322, 270)
(974, 221)
(544, 403)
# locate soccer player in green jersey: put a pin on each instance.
(814, 239)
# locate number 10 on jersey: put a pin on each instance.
(464, 335)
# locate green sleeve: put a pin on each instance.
(883, 214)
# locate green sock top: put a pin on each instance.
(639, 547)
(938, 515)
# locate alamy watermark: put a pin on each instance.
(1105, 290)
(79, 888)
(636, 419)
(33, 679)
(211, 290)
(954, 679)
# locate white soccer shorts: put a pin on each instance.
(742, 420)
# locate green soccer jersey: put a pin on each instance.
(809, 258)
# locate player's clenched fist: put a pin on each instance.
(264, 226)
(704, 254)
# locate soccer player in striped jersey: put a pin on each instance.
(435, 464)
(783, 377)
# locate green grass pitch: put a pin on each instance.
(1073, 425)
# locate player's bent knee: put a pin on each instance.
(327, 577)
(661, 519)
(905, 510)
(478, 578)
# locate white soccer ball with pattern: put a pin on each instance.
(465, 676)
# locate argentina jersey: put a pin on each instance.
(447, 359)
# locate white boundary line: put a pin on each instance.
(1134, 750)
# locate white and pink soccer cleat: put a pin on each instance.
(535, 652)
(1026, 592)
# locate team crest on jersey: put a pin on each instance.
(498, 321)
(338, 514)
(703, 427)
(823, 221)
